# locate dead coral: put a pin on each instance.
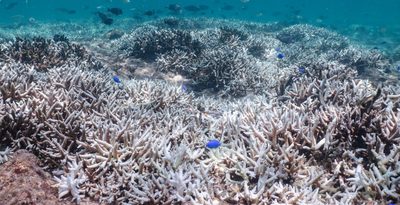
(229, 59)
(324, 136)
(148, 42)
(44, 54)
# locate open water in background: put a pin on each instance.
(331, 13)
(373, 23)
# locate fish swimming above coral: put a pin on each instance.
(175, 8)
(177, 107)
(116, 79)
(116, 11)
(104, 18)
(213, 144)
(149, 13)
(196, 8)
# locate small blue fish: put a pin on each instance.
(184, 88)
(398, 68)
(277, 49)
(212, 144)
(280, 55)
(116, 79)
(302, 70)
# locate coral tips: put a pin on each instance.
(212, 144)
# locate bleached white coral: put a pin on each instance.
(70, 183)
(5, 155)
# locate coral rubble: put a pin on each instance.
(326, 135)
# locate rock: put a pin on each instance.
(22, 181)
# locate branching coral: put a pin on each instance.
(70, 183)
(43, 53)
(147, 42)
(323, 136)
(5, 155)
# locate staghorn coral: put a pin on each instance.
(43, 53)
(5, 155)
(147, 42)
(70, 183)
(204, 56)
(322, 137)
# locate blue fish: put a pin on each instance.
(280, 55)
(212, 144)
(184, 88)
(302, 70)
(398, 68)
(116, 79)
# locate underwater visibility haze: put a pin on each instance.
(199, 102)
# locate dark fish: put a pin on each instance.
(11, 5)
(149, 13)
(105, 19)
(115, 11)
(212, 144)
(67, 11)
(280, 55)
(196, 8)
(175, 8)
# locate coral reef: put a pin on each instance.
(326, 135)
(43, 53)
(236, 60)
(151, 41)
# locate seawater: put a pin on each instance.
(336, 14)
(372, 23)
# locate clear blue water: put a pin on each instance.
(335, 14)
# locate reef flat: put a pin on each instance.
(303, 115)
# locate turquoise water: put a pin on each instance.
(334, 14)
